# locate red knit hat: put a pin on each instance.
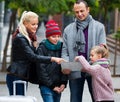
(52, 28)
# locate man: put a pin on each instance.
(78, 38)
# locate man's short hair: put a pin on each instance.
(83, 1)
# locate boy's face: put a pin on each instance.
(94, 56)
(54, 39)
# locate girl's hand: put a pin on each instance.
(77, 58)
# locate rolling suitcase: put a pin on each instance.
(18, 98)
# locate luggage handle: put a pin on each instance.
(21, 82)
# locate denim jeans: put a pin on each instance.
(19, 87)
(77, 86)
(49, 95)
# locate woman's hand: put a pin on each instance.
(57, 60)
(35, 44)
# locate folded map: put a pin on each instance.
(73, 66)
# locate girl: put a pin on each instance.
(101, 75)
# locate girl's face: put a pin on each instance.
(32, 25)
(54, 39)
(94, 56)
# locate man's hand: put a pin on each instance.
(66, 71)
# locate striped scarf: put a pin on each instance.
(103, 62)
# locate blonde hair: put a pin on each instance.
(101, 49)
(26, 17)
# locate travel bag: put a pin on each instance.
(18, 98)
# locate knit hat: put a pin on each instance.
(52, 28)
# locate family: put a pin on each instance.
(84, 41)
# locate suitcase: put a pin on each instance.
(19, 82)
(18, 98)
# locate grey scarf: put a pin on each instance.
(80, 38)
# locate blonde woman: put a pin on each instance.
(23, 51)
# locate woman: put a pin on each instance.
(23, 52)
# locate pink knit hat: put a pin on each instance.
(52, 28)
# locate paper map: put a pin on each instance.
(73, 66)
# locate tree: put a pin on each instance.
(27, 5)
(106, 6)
(11, 29)
(98, 7)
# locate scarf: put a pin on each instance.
(103, 62)
(32, 37)
(15, 33)
(80, 38)
(51, 46)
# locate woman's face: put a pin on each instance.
(54, 39)
(32, 25)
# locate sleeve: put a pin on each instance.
(87, 67)
(65, 54)
(102, 34)
(64, 79)
(30, 54)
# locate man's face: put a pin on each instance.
(81, 11)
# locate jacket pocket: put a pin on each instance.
(18, 69)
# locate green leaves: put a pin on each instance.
(59, 6)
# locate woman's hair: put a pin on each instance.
(101, 49)
(26, 17)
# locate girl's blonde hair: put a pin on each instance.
(101, 49)
(26, 17)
